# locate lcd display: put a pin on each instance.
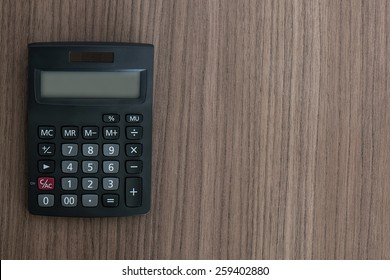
(84, 84)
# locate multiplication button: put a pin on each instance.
(134, 150)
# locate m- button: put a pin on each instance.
(90, 132)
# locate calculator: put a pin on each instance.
(89, 129)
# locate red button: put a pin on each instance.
(46, 183)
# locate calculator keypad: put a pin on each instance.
(90, 159)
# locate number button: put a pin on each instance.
(134, 150)
(111, 150)
(90, 200)
(90, 184)
(110, 166)
(90, 166)
(46, 149)
(45, 200)
(69, 150)
(90, 150)
(69, 166)
(69, 200)
(134, 132)
(110, 184)
(69, 184)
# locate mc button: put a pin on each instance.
(46, 132)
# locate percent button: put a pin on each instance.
(111, 118)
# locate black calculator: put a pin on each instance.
(89, 129)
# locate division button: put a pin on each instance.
(46, 166)
(46, 132)
(90, 132)
(89, 200)
(133, 192)
(45, 200)
(110, 200)
(111, 118)
(134, 132)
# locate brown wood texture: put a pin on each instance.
(271, 130)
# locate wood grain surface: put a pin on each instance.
(271, 130)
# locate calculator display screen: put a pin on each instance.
(84, 84)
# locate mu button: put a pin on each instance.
(46, 166)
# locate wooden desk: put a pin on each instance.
(271, 130)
